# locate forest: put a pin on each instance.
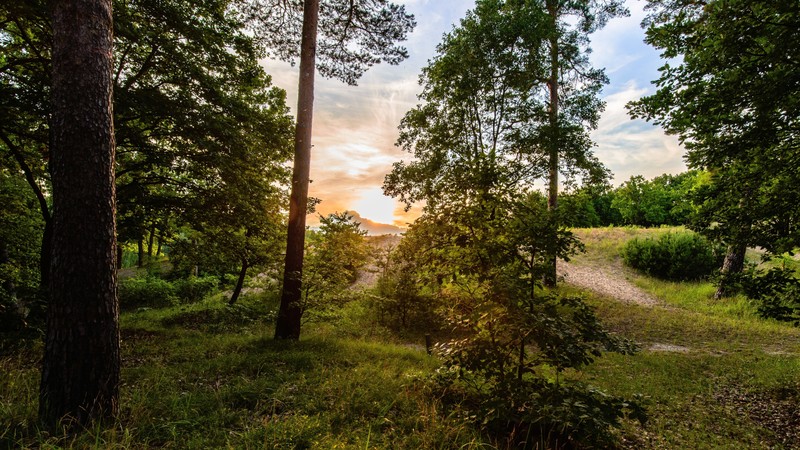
(161, 286)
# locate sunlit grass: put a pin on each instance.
(206, 375)
(209, 376)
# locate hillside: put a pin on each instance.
(206, 375)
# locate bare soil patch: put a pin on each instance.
(605, 280)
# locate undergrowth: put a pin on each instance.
(204, 375)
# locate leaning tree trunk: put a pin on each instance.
(44, 255)
(552, 190)
(240, 282)
(733, 264)
(80, 372)
(287, 325)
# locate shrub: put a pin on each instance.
(673, 256)
(402, 305)
(505, 375)
(194, 289)
(777, 292)
(149, 291)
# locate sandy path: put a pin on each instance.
(606, 280)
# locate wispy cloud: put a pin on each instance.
(355, 128)
(634, 147)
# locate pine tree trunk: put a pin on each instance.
(287, 325)
(552, 189)
(80, 373)
(733, 263)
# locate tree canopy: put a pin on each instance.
(732, 100)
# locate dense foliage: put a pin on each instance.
(486, 239)
(335, 254)
(732, 98)
(202, 137)
(673, 256)
(20, 234)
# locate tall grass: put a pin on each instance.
(205, 375)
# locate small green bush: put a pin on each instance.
(673, 256)
(776, 291)
(194, 289)
(146, 292)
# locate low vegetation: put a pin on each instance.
(679, 256)
(204, 374)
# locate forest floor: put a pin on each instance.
(711, 374)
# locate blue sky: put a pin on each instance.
(355, 127)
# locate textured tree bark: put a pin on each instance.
(552, 189)
(80, 373)
(287, 325)
(733, 263)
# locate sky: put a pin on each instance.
(355, 127)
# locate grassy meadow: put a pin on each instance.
(206, 375)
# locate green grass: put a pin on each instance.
(206, 375)
(699, 359)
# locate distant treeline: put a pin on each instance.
(664, 200)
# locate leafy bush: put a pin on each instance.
(401, 304)
(194, 289)
(506, 374)
(400, 299)
(149, 291)
(777, 292)
(21, 228)
(673, 256)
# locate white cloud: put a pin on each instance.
(355, 128)
(634, 147)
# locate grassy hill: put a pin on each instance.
(206, 375)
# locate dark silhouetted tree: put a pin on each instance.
(80, 373)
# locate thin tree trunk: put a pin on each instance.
(287, 325)
(552, 190)
(150, 240)
(733, 263)
(160, 241)
(521, 362)
(239, 283)
(44, 256)
(81, 364)
(140, 256)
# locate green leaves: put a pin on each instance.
(733, 101)
(353, 35)
(334, 255)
